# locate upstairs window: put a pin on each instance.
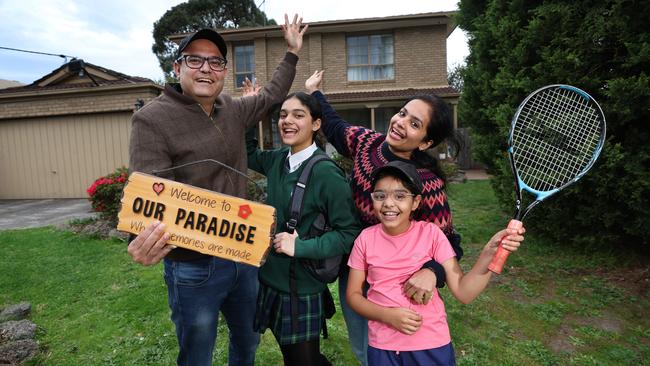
(370, 57)
(244, 57)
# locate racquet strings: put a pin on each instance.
(555, 137)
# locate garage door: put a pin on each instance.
(59, 157)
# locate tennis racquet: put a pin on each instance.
(556, 136)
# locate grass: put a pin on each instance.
(554, 305)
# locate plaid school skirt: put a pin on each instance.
(274, 312)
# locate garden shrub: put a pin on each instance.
(517, 47)
(105, 193)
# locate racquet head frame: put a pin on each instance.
(556, 136)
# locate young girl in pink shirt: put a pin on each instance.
(401, 330)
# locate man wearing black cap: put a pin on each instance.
(193, 121)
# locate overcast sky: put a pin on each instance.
(116, 34)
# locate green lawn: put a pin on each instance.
(552, 306)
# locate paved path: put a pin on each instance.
(476, 174)
(16, 214)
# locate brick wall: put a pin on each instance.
(420, 57)
(74, 103)
(276, 48)
(334, 62)
(420, 60)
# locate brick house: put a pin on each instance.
(372, 65)
(66, 129)
(71, 126)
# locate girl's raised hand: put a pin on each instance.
(249, 88)
(510, 239)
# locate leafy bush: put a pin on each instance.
(256, 187)
(343, 162)
(105, 193)
(517, 47)
(449, 168)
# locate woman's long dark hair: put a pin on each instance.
(440, 129)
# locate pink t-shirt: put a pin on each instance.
(389, 262)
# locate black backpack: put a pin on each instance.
(324, 270)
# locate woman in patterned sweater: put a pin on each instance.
(421, 124)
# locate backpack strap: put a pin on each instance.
(298, 194)
(297, 198)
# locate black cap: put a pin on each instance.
(404, 170)
(208, 34)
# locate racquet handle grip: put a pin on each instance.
(499, 259)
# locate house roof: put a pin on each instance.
(9, 83)
(78, 74)
(343, 25)
(380, 95)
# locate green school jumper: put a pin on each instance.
(328, 192)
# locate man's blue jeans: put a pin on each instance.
(356, 324)
(197, 291)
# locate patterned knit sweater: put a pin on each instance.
(369, 150)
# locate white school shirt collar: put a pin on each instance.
(298, 158)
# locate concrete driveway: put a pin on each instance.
(18, 214)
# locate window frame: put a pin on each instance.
(369, 66)
(246, 73)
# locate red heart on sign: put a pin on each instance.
(158, 188)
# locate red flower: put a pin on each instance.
(244, 211)
(105, 193)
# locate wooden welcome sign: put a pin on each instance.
(198, 219)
